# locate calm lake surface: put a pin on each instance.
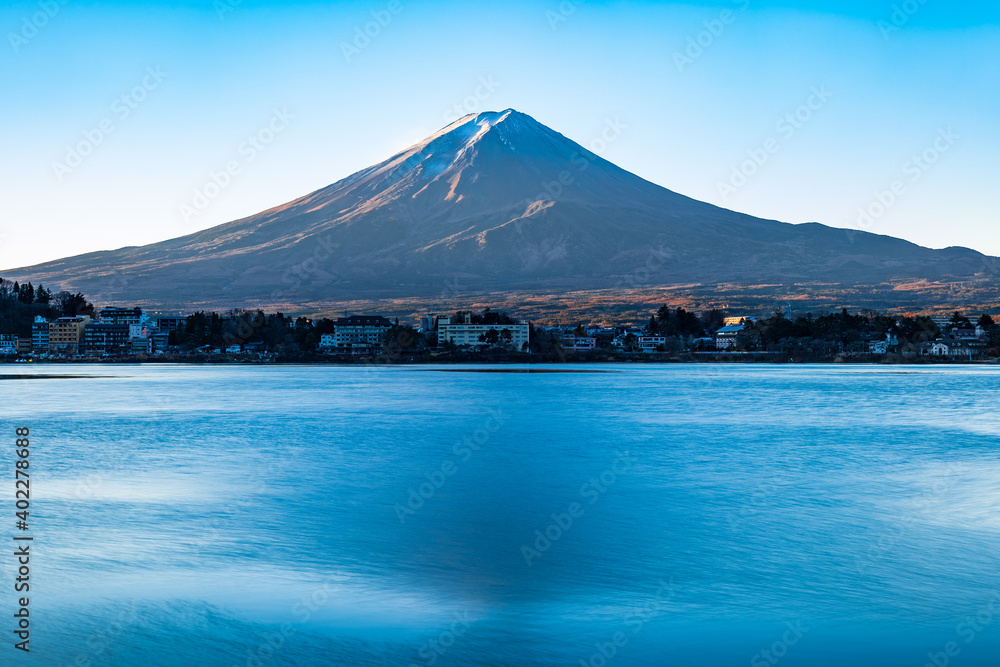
(625, 515)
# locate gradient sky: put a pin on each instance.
(899, 86)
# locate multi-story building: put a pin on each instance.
(40, 334)
(651, 343)
(160, 340)
(8, 344)
(140, 345)
(360, 333)
(24, 346)
(133, 316)
(725, 338)
(326, 341)
(168, 324)
(572, 342)
(66, 333)
(101, 338)
(461, 331)
(427, 323)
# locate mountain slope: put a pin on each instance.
(493, 201)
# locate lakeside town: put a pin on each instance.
(38, 326)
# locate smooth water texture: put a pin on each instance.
(618, 515)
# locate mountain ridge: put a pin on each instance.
(497, 202)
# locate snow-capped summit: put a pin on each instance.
(494, 201)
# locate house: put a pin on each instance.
(359, 333)
(651, 344)
(968, 333)
(883, 346)
(255, 347)
(953, 348)
(234, 349)
(572, 342)
(620, 341)
(461, 331)
(66, 333)
(725, 338)
(326, 341)
(733, 321)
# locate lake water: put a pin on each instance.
(685, 515)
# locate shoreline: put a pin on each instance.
(773, 358)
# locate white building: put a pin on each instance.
(883, 346)
(725, 337)
(953, 348)
(649, 344)
(465, 333)
(360, 333)
(326, 341)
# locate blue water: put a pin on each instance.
(710, 515)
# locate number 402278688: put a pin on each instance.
(22, 491)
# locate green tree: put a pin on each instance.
(506, 339)
(491, 337)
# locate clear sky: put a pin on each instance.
(116, 114)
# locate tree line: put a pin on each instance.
(21, 303)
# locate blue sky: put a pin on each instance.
(874, 115)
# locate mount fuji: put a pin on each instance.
(493, 202)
